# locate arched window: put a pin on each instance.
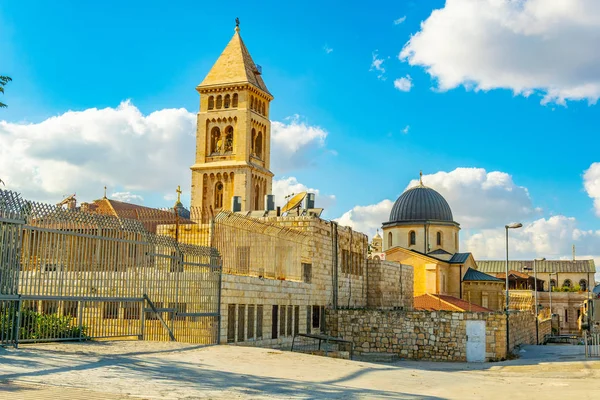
(219, 102)
(219, 195)
(262, 107)
(439, 238)
(583, 285)
(253, 143)
(216, 143)
(228, 139)
(259, 145)
(227, 101)
(552, 284)
(389, 240)
(252, 102)
(211, 102)
(567, 283)
(234, 100)
(412, 238)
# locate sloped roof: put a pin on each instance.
(459, 258)
(234, 65)
(440, 302)
(474, 275)
(548, 266)
(439, 251)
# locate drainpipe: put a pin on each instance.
(460, 280)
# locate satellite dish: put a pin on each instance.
(294, 202)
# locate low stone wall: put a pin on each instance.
(545, 329)
(425, 335)
(389, 285)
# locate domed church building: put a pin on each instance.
(421, 232)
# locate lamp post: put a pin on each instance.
(537, 322)
(550, 296)
(514, 225)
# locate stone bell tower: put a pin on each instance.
(233, 136)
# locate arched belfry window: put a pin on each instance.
(219, 102)
(583, 285)
(567, 283)
(252, 102)
(216, 143)
(439, 238)
(259, 145)
(412, 238)
(227, 101)
(552, 284)
(211, 102)
(390, 241)
(219, 195)
(256, 198)
(228, 147)
(253, 143)
(234, 100)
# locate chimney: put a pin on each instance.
(236, 204)
(269, 202)
(309, 201)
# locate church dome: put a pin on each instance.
(420, 203)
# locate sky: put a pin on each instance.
(496, 101)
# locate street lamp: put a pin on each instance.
(514, 225)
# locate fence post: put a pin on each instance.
(17, 327)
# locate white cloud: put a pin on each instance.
(377, 65)
(127, 197)
(294, 144)
(591, 183)
(406, 129)
(131, 153)
(367, 219)
(403, 84)
(327, 49)
(286, 186)
(399, 20)
(525, 46)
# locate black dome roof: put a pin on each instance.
(420, 203)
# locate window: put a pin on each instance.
(219, 195)
(234, 101)
(250, 322)
(322, 327)
(243, 259)
(316, 316)
(228, 147)
(259, 322)
(241, 322)
(390, 240)
(274, 319)
(231, 323)
(566, 315)
(131, 310)
(258, 146)
(583, 285)
(70, 309)
(256, 197)
(219, 102)
(484, 300)
(227, 101)
(289, 320)
(412, 238)
(252, 102)
(262, 110)
(308, 319)
(215, 140)
(211, 102)
(567, 283)
(180, 308)
(151, 315)
(282, 320)
(111, 310)
(253, 143)
(296, 320)
(306, 272)
(439, 238)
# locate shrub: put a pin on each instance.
(37, 326)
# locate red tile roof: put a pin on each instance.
(441, 302)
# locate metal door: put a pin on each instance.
(475, 341)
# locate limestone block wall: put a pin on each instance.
(521, 328)
(389, 285)
(545, 328)
(423, 335)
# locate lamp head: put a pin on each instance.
(514, 225)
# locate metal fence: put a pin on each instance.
(592, 344)
(71, 275)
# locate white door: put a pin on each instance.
(475, 341)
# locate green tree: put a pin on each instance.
(3, 81)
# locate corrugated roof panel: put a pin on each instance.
(474, 275)
(548, 266)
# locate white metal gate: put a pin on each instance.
(592, 344)
(475, 341)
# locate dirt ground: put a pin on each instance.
(151, 370)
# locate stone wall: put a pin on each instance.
(424, 335)
(389, 285)
(521, 328)
(544, 329)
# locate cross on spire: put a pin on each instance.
(178, 193)
(105, 192)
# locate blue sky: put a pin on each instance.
(317, 61)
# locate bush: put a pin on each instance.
(37, 326)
